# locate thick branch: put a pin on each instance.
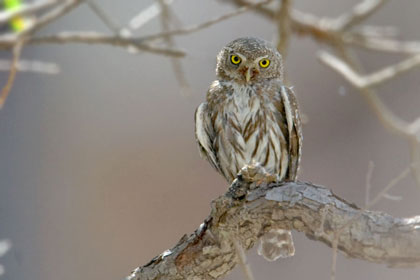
(247, 213)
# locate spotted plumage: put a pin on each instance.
(250, 117)
(256, 121)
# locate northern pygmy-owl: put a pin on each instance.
(251, 117)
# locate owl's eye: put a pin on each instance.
(264, 62)
(235, 59)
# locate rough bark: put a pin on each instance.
(245, 213)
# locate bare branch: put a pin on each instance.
(283, 27)
(31, 66)
(382, 44)
(104, 17)
(98, 38)
(373, 79)
(369, 182)
(198, 27)
(146, 15)
(359, 13)
(17, 50)
(374, 236)
(29, 8)
(242, 259)
(53, 15)
(176, 63)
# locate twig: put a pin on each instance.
(104, 17)
(382, 44)
(415, 157)
(54, 14)
(264, 11)
(242, 259)
(28, 8)
(146, 15)
(368, 206)
(98, 38)
(176, 63)
(31, 66)
(359, 13)
(369, 173)
(198, 27)
(17, 49)
(283, 27)
(371, 80)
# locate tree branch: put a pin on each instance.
(249, 212)
(371, 80)
(359, 13)
(88, 37)
(28, 8)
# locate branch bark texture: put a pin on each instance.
(246, 212)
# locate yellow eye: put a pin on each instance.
(235, 59)
(264, 62)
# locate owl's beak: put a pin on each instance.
(248, 74)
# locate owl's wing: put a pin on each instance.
(204, 134)
(295, 130)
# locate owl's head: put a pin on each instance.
(249, 60)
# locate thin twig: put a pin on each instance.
(382, 44)
(198, 27)
(369, 205)
(146, 15)
(104, 16)
(176, 63)
(371, 80)
(33, 66)
(17, 50)
(27, 8)
(53, 15)
(369, 173)
(242, 259)
(359, 13)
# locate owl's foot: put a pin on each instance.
(256, 173)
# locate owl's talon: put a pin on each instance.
(256, 173)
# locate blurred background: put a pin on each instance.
(99, 170)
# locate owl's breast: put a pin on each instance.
(248, 131)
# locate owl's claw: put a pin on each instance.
(256, 173)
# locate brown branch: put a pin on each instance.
(86, 37)
(208, 253)
(53, 15)
(17, 50)
(283, 27)
(198, 27)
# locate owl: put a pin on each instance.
(250, 117)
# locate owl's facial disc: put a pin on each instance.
(249, 60)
